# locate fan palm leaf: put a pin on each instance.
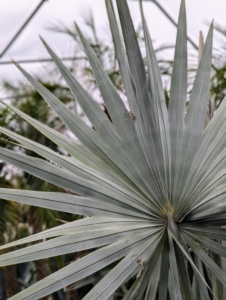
(151, 182)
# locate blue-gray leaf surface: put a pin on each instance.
(150, 179)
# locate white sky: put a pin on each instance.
(28, 45)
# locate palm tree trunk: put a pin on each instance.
(71, 295)
(11, 284)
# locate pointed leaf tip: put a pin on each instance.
(76, 25)
(14, 62)
(2, 102)
(42, 39)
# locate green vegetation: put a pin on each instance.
(150, 180)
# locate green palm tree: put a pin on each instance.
(152, 182)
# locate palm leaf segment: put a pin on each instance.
(154, 185)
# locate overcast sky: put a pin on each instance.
(28, 46)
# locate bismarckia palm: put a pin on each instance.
(152, 181)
